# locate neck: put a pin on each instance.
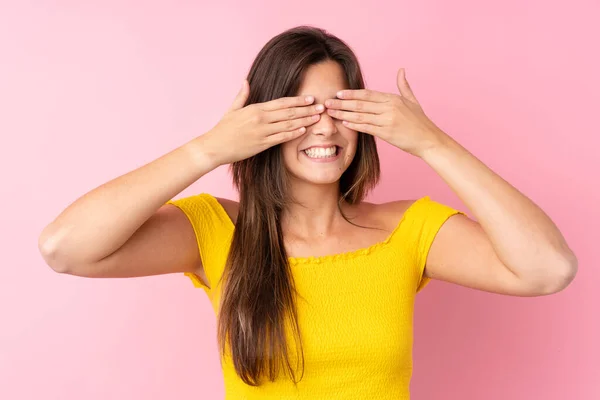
(314, 210)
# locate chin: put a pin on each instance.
(322, 179)
(316, 175)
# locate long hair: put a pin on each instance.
(258, 298)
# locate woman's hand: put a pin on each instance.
(246, 131)
(397, 119)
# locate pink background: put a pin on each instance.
(92, 90)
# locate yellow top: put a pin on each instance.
(356, 311)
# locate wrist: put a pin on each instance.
(441, 143)
(201, 155)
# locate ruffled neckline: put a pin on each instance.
(330, 258)
(365, 251)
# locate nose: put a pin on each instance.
(325, 126)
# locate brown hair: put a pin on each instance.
(258, 298)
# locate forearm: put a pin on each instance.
(102, 220)
(523, 236)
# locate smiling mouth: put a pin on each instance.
(322, 152)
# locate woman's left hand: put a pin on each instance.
(397, 119)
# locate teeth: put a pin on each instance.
(320, 152)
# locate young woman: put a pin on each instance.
(313, 288)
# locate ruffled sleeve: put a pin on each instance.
(423, 220)
(213, 229)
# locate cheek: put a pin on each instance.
(289, 154)
(351, 149)
(352, 139)
(349, 156)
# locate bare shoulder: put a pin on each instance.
(394, 208)
(386, 215)
(231, 207)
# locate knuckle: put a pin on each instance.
(257, 117)
(284, 137)
(288, 125)
(291, 113)
(358, 105)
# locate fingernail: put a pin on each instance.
(309, 99)
(328, 103)
(340, 93)
(319, 107)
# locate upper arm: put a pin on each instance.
(462, 253)
(165, 243)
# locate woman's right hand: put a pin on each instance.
(246, 131)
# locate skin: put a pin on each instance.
(314, 219)
(512, 247)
